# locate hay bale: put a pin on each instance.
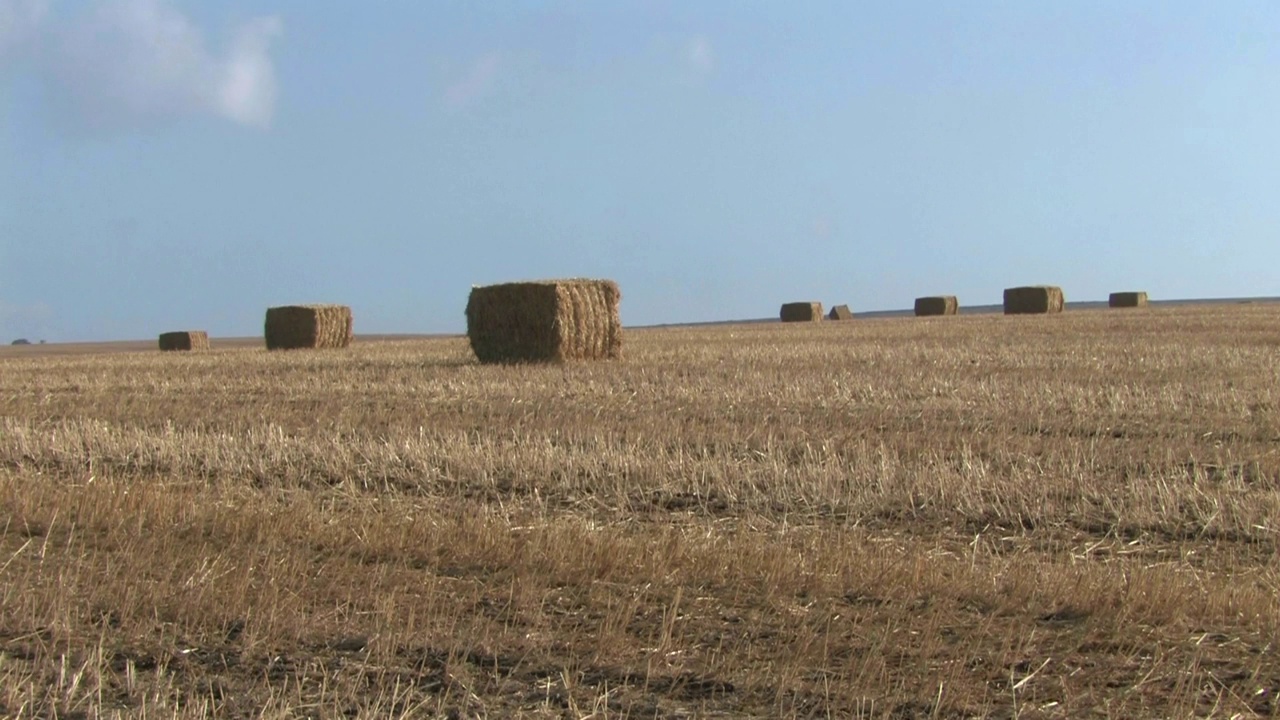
(291, 327)
(937, 305)
(545, 321)
(801, 312)
(1033, 299)
(840, 312)
(1127, 299)
(184, 340)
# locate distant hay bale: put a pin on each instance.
(290, 327)
(1033, 299)
(840, 312)
(184, 340)
(1127, 299)
(937, 305)
(801, 312)
(545, 321)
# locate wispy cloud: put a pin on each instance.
(700, 56)
(475, 83)
(126, 63)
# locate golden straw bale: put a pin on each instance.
(1131, 299)
(937, 305)
(290, 327)
(184, 340)
(545, 321)
(801, 312)
(1033, 299)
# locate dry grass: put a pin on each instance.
(948, 525)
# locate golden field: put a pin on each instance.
(960, 517)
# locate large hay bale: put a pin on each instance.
(184, 340)
(1033, 299)
(937, 305)
(290, 327)
(840, 312)
(1127, 299)
(545, 321)
(801, 312)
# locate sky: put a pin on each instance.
(170, 165)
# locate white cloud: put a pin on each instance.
(247, 88)
(700, 56)
(475, 83)
(126, 63)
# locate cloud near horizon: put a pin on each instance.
(134, 63)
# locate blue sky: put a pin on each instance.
(184, 165)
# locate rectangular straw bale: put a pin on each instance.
(937, 305)
(1033, 299)
(184, 340)
(801, 312)
(840, 312)
(1131, 299)
(545, 321)
(290, 327)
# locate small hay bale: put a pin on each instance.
(1127, 299)
(1033, 299)
(545, 321)
(801, 312)
(290, 327)
(937, 305)
(840, 312)
(184, 340)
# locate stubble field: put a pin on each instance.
(977, 516)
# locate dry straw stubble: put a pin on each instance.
(1130, 299)
(937, 305)
(184, 340)
(545, 321)
(1033, 299)
(961, 522)
(291, 327)
(801, 312)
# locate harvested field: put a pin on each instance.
(184, 340)
(970, 519)
(801, 312)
